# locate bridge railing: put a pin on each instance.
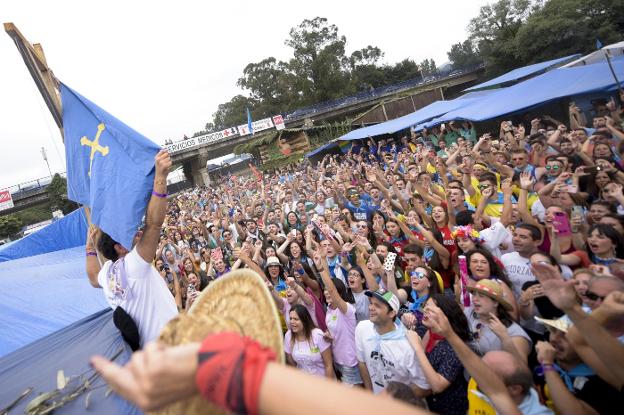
(373, 93)
(29, 188)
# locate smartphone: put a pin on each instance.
(389, 261)
(591, 170)
(562, 224)
(577, 211)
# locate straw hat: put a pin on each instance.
(240, 302)
(273, 261)
(561, 324)
(492, 289)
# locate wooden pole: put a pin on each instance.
(44, 78)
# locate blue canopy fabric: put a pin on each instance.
(69, 349)
(556, 84)
(67, 232)
(523, 72)
(432, 110)
(42, 294)
(322, 148)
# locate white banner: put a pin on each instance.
(6, 200)
(263, 124)
(200, 140)
(279, 122)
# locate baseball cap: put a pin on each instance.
(387, 297)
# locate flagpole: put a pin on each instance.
(44, 78)
(617, 82)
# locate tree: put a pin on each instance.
(319, 61)
(10, 225)
(401, 71)
(494, 31)
(233, 112)
(428, 67)
(57, 193)
(464, 54)
(564, 27)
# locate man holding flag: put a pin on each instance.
(116, 172)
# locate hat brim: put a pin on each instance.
(506, 305)
(379, 297)
(557, 324)
(237, 302)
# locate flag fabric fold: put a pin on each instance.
(110, 166)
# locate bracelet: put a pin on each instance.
(547, 367)
(160, 195)
(91, 253)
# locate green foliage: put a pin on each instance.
(10, 225)
(34, 214)
(464, 54)
(57, 193)
(428, 67)
(513, 33)
(318, 70)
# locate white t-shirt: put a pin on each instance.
(361, 306)
(518, 270)
(307, 354)
(390, 358)
(143, 295)
(494, 236)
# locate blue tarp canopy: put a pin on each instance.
(322, 148)
(523, 72)
(556, 84)
(68, 232)
(69, 349)
(432, 110)
(42, 294)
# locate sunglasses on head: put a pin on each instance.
(594, 297)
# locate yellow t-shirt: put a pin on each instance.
(478, 403)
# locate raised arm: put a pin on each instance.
(320, 260)
(156, 209)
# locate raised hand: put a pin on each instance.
(526, 180)
(560, 292)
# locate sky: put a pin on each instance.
(163, 67)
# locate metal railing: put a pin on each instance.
(31, 187)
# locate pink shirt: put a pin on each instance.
(342, 329)
(307, 354)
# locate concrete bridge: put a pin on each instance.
(194, 153)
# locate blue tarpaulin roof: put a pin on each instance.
(42, 294)
(69, 349)
(322, 148)
(523, 72)
(67, 232)
(556, 84)
(432, 110)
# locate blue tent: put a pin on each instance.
(432, 110)
(324, 147)
(520, 73)
(36, 366)
(553, 85)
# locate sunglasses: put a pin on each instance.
(594, 297)
(418, 275)
(475, 335)
(483, 186)
(552, 167)
(362, 226)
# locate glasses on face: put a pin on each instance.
(555, 167)
(418, 275)
(362, 226)
(483, 186)
(593, 296)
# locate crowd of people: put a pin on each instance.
(457, 271)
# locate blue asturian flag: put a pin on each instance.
(249, 122)
(110, 167)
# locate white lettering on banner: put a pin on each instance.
(6, 200)
(263, 124)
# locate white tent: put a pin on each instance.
(614, 50)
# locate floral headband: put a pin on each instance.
(467, 232)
